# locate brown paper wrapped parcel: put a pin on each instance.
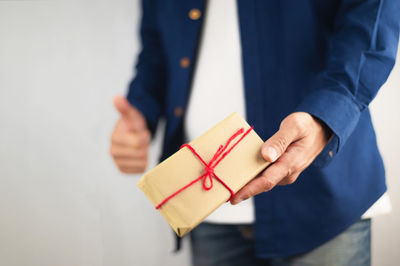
(191, 206)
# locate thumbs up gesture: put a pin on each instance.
(130, 139)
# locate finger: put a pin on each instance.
(294, 160)
(289, 179)
(120, 151)
(264, 182)
(131, 140)
(275, 146)
(131, 163)
(288, 165)
(131, 170)
(132, 118)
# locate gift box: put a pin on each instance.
(205, 173)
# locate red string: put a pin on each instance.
(220, 154)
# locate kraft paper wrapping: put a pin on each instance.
(191, 206)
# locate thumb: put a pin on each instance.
(132, 118)
(275, 146)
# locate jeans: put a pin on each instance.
(229, 244)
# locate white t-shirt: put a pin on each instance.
(218, 74)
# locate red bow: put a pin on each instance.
(209, 167)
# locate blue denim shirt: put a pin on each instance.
(328, 58)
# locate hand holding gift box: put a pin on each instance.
(205, 173)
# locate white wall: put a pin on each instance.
(62, 201)
(386, 118)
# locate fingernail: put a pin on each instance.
(270, 153)
(237, 201)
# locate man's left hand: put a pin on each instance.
(300, 138)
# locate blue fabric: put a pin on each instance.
(230, 245)
(328, 58)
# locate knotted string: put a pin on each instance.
(209, 167)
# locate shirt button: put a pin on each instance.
(194, 14)
(178, 111)
(185, 62)
(330, 153)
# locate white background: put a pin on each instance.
(62, 201)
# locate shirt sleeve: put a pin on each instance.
(147, 89)
(361, 54)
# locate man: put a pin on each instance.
(303, 74)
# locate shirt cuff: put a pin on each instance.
(339, 112)
(147, 108)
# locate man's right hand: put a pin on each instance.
(130, 139)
